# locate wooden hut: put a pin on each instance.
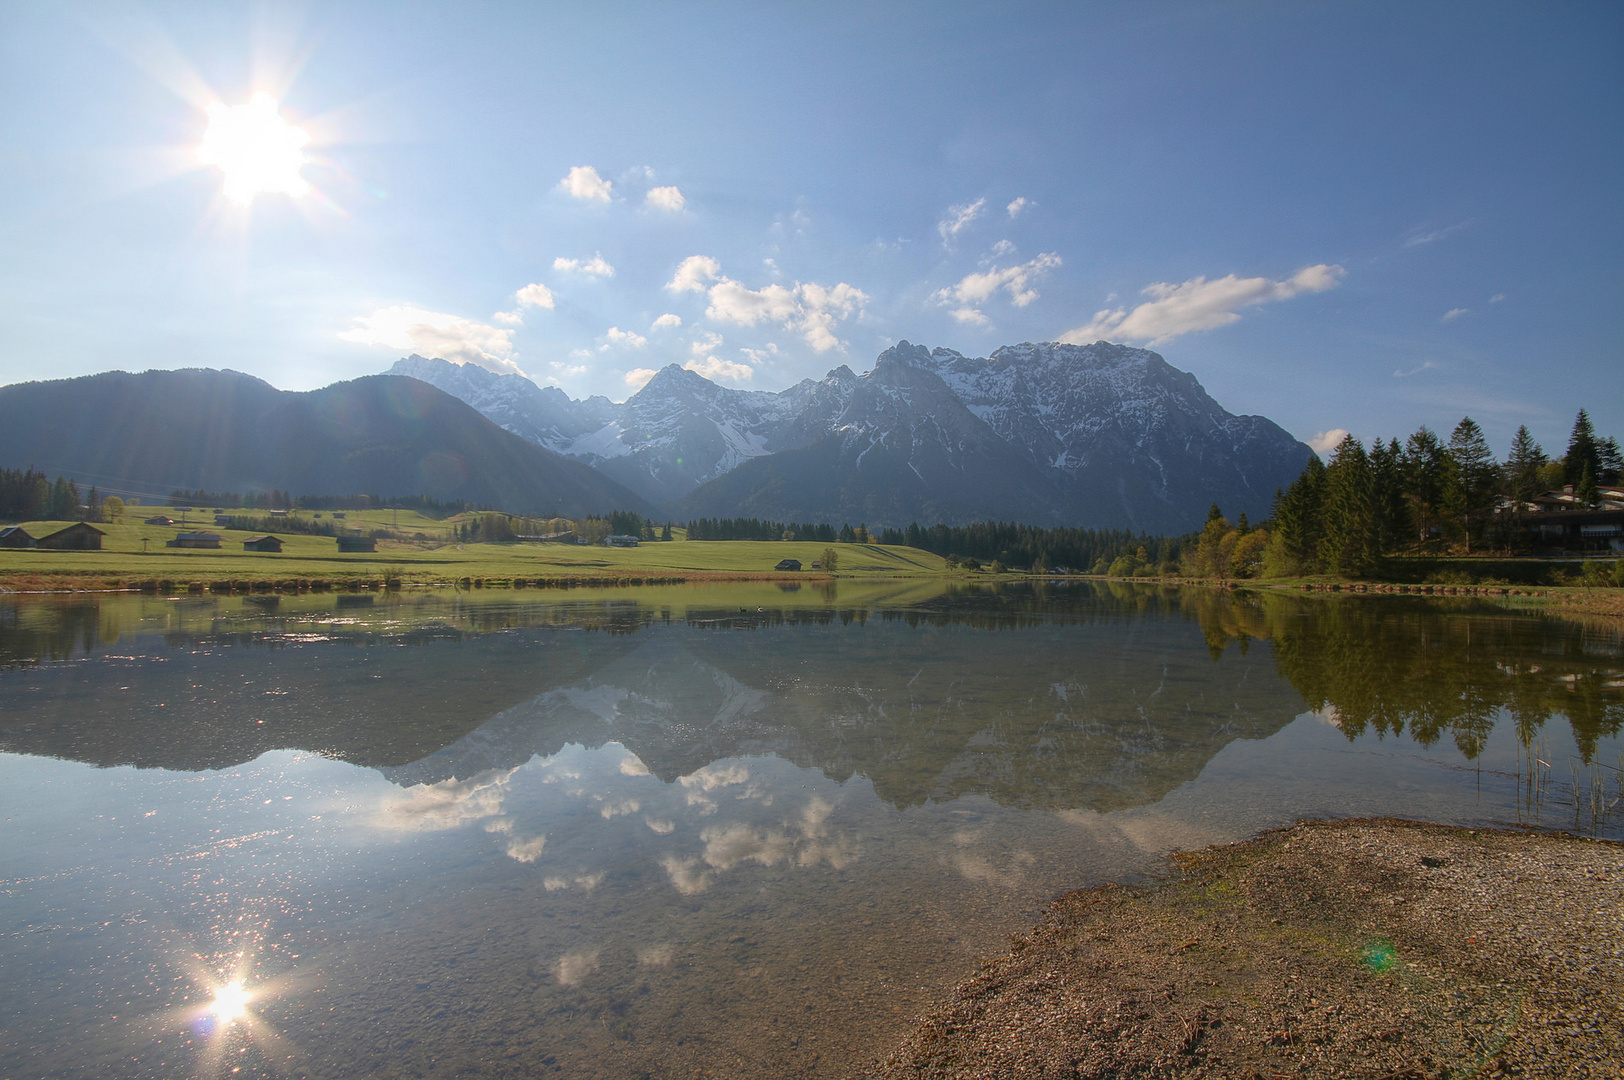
(788, 564)
(263, 543)
(15, 536)
(196, 540)
(76, 537)
(357, 543)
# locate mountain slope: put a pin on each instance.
(225, 431)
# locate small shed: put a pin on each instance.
(357, 543)
(15, 536)
(159, 520)
(621, 540)
(196, 540)
(76, 537)
(788, 564)
(263, 543)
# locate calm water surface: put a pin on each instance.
(684, 832)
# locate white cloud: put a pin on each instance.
(685, 875)
(1021, 203)
(535, 295)
(637, 377)
(615, 336)
(1002, 248)
(1454, 313)
(765, 353)
(970, 316)
(436, 334)
(568, 369)
(975, 288)
(593, 267)
(1198, 304)
(508, 318)
(712, 367)
(959, 218)
(1324, 442)
(708, 341)
(666, 198)
(728, 845)
(1427, 366)
(448, 804)
(692, 274)
(809, 309)
(1433, 235)
(1497, 298)
(584, 183)
(665, 320)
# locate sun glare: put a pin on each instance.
(257, 149)
(230, 1002)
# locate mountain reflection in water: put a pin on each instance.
(1077, 696)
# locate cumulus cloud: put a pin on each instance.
(707, 342)
(728, 845)
(978, 287)
(1198, 304)
(448, 804)
(668, 319)
(1020, 203)
(685, 875)
(1454, 313)
(584, 183)
(666, 198)
(713, 368)
(616, 337)
(435, 333)
(693, 273)
(593, 267)
(1324, 442)
(1001, 249)
(637, 378)
(1497, 298)
(806, 308)
(958, 219)
(535, 295)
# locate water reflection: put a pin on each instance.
(747, 832)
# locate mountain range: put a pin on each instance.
(157, 431)
(1095, 435)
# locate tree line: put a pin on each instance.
(286, 500)
(29, 495)
(1424, 495)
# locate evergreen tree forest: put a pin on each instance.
(1425, 496)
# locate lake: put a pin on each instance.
(733, 831)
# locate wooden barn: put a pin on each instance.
(263, 543)
(356, 543)
(196, 540)
(788, 564)
(76, 537)
(15, 536)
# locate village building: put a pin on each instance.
(15, 536)
(263, 543)
(356, 543)
(788, 564)
(159, 520)
(195, 540)
(621, 540)
(76, 537)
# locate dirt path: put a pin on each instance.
(1357, 948)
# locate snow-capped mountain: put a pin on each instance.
(1101, 435)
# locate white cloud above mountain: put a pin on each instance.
(668, 198)
(959, 218)
(713, 368)
(615, 337)
(1198, 304)
(584, 183)
(637, 378)
(406, 327)
(806, 308)
(977, 288)
(596, 266)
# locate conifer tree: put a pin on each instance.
(1349, 544)
(1473, 477)
(1583, 451)
(1425, 469)
(1297, 519)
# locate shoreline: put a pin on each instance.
(1364, 947)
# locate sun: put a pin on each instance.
(257, 149)
(230, 1002)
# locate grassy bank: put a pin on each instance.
(134, 555)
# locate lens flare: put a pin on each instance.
(257, 149)
(230, 1002)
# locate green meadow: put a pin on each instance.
(427, 552)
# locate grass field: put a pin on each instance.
(134, 553)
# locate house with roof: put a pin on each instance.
(76, 537)
(356, 543)
(196, 540)
(788, 564)
(15, 536)
(263, 543)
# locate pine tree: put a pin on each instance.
(1583, 451)
(1297, 518)
(1349, 545)
(1425, 469)
(1473, 476)
(1392, 514)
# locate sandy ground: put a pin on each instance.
(1356, 948)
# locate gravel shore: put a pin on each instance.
(1371, 948)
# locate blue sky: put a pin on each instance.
(1352, 216)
